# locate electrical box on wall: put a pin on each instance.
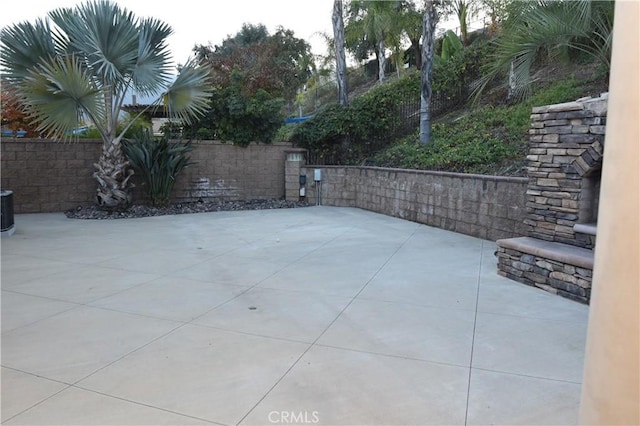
(303, 191)
(303, 180)
(317, 175)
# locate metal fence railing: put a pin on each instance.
(404, 121)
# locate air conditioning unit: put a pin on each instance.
(6, 218)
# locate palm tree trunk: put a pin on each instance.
(512, 82)
(428, 33)
(112, 169)
(113, 174)
(341, 62)
(415, 45)
(381, 60)
(462, 17)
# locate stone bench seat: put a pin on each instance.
(559, 252)
(555, 267)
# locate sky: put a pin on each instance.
(200, 22)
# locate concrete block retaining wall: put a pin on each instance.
(49, 176)
(489, 207)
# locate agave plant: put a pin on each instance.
(158, 163)
(79, 63)
(553, 28)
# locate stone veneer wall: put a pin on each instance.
(565, 149)
(48, 176)
(489, 207)
(565, 146)
(554, 267)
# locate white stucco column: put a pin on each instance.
(610, 392)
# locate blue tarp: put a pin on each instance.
(10, 133)
(297, 119)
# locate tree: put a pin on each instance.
(341, 62)
(371, 25)
(497, 11)
(555, 29)
(280, 63)
(244, 118)
(412, 25)
(428, 45)
(254, 73)
(14, 117)
(82, 68)
(463, 9)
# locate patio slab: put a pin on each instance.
(318, 315)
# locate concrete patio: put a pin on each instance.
(314, 315)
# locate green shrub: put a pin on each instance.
(157, 162)
(285, 132)
(485, 141)
(454, 75)
(239, 116)
(137, 125)
(562, 91)
(243, 119)
(369, 117)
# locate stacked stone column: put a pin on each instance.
(565, 144)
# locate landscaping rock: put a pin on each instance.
(94, 212)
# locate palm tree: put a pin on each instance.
(373, 23)
(497, 11)
(412, 24)
(83, 65)
(341, 63)
(463, 9)
(428, 46)
(554, 28)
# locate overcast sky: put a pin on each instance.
(201, 22)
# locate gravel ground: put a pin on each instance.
(181, 208)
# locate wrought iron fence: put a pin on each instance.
(405, 121)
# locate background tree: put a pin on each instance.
(341, 62)
(497, 11)
(464, 10)
(412, 17)
(554, 30)
(13, 114)
(254, 74)
(428, 44)
(280, 63)
(82, 68)
(371, 25)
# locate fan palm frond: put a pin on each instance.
(105, 34)
(59, 92)
(151, 71)
(24, 46)
(188, 97)
(83, 64)
(553, 28)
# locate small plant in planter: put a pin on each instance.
(157, 162)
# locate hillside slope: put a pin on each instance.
(492, 137)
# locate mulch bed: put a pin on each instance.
(94, 212)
